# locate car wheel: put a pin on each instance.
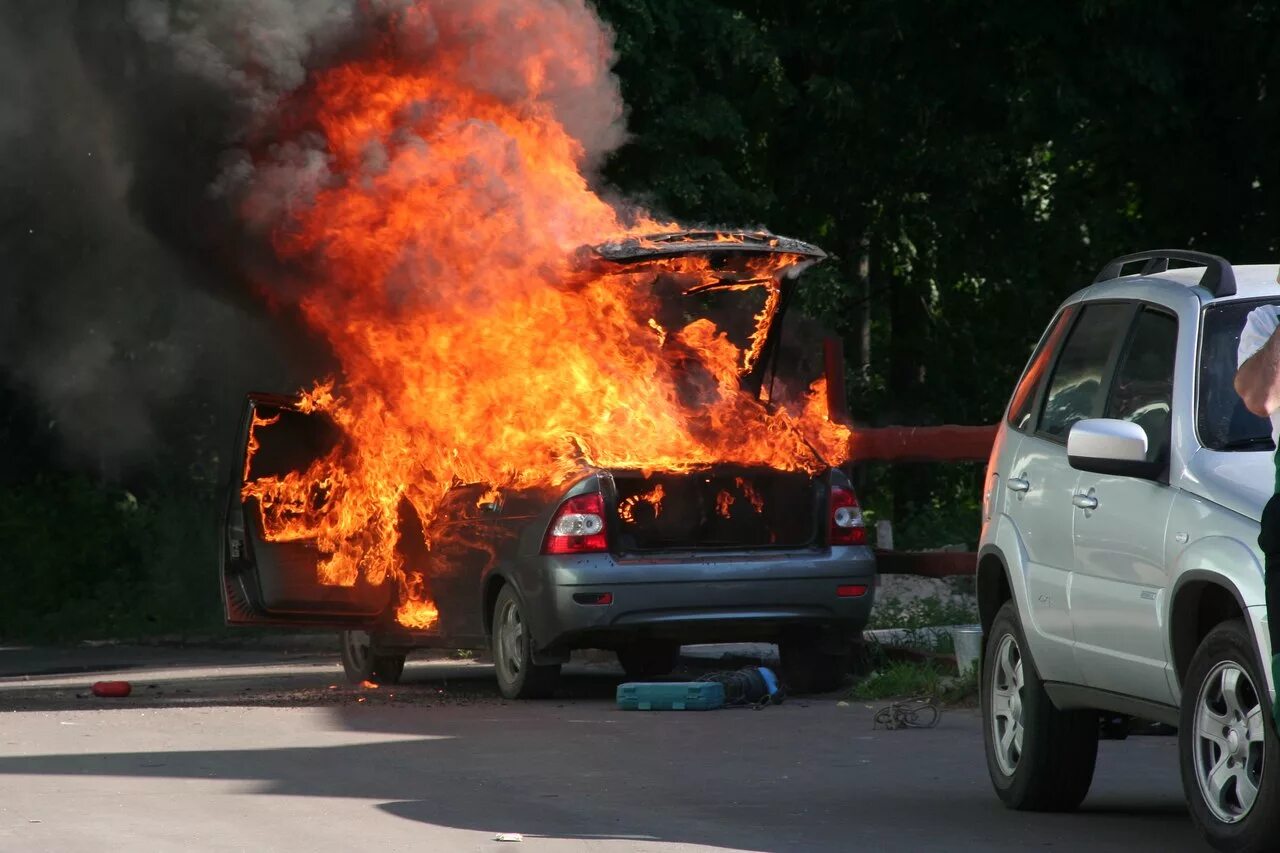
(1224, 744)
(518, 676)
(649, 658)
(806, 668)
(1039, 758)
(361, 663)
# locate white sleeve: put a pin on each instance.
(1258, 328)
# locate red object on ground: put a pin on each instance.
(116, 689)
(922, 444)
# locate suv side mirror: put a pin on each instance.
(1110, 446)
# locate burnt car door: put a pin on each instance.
(466, 540)
(268, 582)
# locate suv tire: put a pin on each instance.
(1225, 739)
(1039, 758)
(362, 662)
(649, 658)
(512, 645)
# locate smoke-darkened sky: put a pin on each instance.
(124, 317)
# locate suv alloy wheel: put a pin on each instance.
(1039, 758)
(1225, 741)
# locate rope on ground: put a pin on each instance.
(919, 712)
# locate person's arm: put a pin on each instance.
(1258, 378)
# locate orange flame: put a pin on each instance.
(253, 443)
(749, 492)
(653, 497)
(475, 347)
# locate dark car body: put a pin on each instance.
(762, 570)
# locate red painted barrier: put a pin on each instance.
(947, 443)
(922, 444)
(930, 564)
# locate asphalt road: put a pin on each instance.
(221, 750)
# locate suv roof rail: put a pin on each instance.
(1218, 278)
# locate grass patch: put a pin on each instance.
(902, 679)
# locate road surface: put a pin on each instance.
(252, 750)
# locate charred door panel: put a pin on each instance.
(276, 582)
(476, 530)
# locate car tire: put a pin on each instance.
(1039, 758)
(1224, 741)
(806, 668)
(649, 658)
(512, 645)
(362, 662)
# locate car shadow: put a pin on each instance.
(695, 779)
(444, 749)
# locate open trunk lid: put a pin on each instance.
(732, 250)
(742, 280)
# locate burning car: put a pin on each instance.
(614, 551)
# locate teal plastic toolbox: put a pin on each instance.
(671, 696)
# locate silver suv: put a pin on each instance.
(1119, 575)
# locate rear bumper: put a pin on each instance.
(723, 598)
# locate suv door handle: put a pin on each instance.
(1085, 501)
(1017, 484)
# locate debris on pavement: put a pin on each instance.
(508, 836)
(919, 712)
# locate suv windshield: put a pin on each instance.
(1224, 423)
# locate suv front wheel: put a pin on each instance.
(1039, 758)
(1224, 742)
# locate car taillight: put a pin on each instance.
(578, 527)
(846, 518)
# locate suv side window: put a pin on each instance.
(1024, 396)
(1142, 391)
(1075, 389)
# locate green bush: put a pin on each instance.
(923, 613)
(80, 560)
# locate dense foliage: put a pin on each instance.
(968, 164)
